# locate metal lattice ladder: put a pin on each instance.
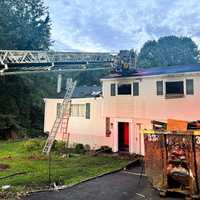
(64, 126)
(64, 114)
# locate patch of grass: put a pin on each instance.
(64, 170)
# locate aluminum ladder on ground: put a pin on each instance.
(64, 113)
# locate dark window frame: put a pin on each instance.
(112, 89)
(159, 88)
(88, 111)
(174, 89)
(136, 89)
(58, 109)
(124, 89)
(189, 86)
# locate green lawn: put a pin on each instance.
(65, 170)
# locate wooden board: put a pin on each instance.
(176, 125)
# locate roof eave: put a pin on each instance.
(151, 76)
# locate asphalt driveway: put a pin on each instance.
(121, 185)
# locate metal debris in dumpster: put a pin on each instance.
(172, 162)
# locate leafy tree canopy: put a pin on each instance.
(24, 25)
(167, 51)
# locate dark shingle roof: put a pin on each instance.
(161, 71)
(84, 92)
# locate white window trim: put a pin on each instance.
(175, 80)
(126, 83)
(75, 116)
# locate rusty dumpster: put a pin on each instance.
(172, 162)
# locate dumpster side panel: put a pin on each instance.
(197, 155)
(185, 144)
(154, 152)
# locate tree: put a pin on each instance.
(167, 51)
(25, 25)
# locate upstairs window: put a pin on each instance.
(174, 89)
(124, 89)
(136, 89)
(159, 86)
(112, 89)
(189, 86)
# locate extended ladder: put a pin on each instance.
(63, 115)
(64, 126)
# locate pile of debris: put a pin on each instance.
(173, 125)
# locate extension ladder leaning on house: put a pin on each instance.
(62, 118)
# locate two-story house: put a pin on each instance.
(128, 104)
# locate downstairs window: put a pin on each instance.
(58, 109)
(78, 110)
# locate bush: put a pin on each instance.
(87, 147)
(60, 147)
(79, 148)
(105, 149)
(21, 134)
(32, 145)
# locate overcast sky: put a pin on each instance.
(110, 25)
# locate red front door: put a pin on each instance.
(126, 133)
(123, 136)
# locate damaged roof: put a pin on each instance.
(96, 91)
(160, 71)
(83, 92)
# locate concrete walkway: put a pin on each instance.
(122, 185)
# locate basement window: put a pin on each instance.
(174, 89)
(124, 89)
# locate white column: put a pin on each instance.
(115, 136)
(131, 138)
(59, 83)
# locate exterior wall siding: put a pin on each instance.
(141, 110)
(149, 106)
(138, 111)
(87, 131)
